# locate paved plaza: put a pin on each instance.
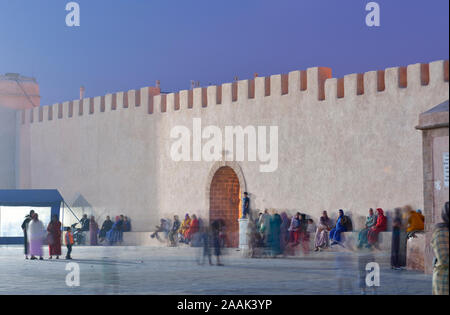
(161, 270)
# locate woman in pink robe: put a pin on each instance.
(36, 235)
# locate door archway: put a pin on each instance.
(224, 202)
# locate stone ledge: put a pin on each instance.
(141, 239)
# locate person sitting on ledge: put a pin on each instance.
(380, 226)
(106, 226)
(416, 222)
(163, 227)
(335, 233)
(193, 228)
(371, 220)
(184, 227)
(126, 225)
(321, 238)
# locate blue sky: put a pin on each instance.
(128, 44)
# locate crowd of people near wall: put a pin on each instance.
(270, 234)
(35, 234)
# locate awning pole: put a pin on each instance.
(71, 211)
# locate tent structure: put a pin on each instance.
(30, 198)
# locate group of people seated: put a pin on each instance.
(178, 232)
(113, 231)
(276, 234)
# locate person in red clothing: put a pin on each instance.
(193, 228)
(380, 226)
(54, 237)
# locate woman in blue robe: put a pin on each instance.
(335, 233)
(275, 231)
(115, 234)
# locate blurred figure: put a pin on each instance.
(93, 231)
(106, 226)
(126, 224)
(253, 239)
(380, 226)
(115, 234)
(284, 231)
(398, 245)
(84, 223)
(205, 239)
(265, 228)
(416, 222)
(54, 237)
(163, 227)
(371, 220)
(303, 234)
(217, 227)
(36, 234)
(439, 243)
(274, 236)
(174, 231)
(69, 242)
(24, 226)
(321, 238)
(293, 229)
(335, 233)
(259, 221)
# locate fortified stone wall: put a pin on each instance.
(343, 143)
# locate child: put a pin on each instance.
(69, 242)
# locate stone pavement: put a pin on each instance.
(156, 270)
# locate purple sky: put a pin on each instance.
(128, 44)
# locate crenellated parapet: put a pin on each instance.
(312, 84)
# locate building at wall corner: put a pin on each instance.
(347, 143)
(16, 93)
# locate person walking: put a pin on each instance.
(54, 237)
(439, 243)
(217, 227)
(69, 242)
(398, 243)
(36, 234)
(25, 232)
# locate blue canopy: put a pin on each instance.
(30, 198)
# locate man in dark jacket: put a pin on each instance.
(24, 229)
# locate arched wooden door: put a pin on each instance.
(224, 202)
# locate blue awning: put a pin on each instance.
(30, 198)
(35, 197)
